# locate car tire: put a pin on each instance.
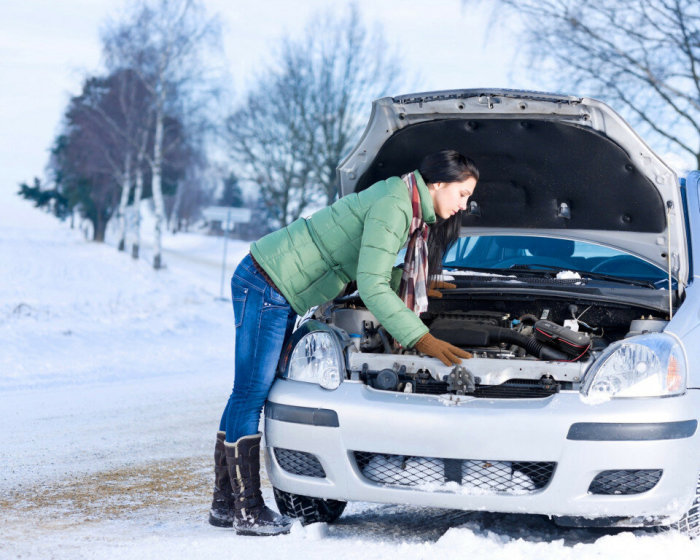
(689, 524)
(307, 509)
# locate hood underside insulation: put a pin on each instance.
(529, 168)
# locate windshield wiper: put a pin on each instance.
(584, 274)
(539, 269)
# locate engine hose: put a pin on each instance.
(385, 340)
(528, 317)
(530, 343)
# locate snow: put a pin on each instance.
(568, 275)
(112, 380)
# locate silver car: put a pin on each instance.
(576, 295)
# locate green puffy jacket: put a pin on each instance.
(356, 238)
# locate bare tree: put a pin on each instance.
(305, 114)
(349, 66)
(641, 55)
(165, 42)
(194, 192)
(187, 176)
(272, 149)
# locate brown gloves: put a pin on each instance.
(443, 351)
(436, 285)
(428, 344)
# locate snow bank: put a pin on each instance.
(102, 359)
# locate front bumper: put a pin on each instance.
(625, 434)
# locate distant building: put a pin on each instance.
(226, 218)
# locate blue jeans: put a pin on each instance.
(264, 320)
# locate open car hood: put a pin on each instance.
(553, 165)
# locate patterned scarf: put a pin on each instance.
(413, 289)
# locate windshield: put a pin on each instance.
(514, 251)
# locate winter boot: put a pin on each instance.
(221, 512)
(251, 515)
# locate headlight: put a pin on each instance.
(316, 359)
(650, 365)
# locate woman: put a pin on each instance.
(308, 263)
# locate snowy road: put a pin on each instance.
(112, 378)
(199, 258)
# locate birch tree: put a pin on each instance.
(165, 43)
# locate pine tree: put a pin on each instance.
(232, 195)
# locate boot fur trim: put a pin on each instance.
(251, 436)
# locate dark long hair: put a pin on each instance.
(445, 166)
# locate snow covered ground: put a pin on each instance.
(112, 379)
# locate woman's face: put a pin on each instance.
(450, 198)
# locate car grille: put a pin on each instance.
(517, 389)
(624, 482)
(430, 387)
(431, 473)
(299, 462)
(512, 389)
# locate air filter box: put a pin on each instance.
(570, 342)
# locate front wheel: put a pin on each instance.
(307, 509)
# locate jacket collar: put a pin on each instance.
(426, 201)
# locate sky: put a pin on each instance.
(48, 47)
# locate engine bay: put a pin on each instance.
(524, 347)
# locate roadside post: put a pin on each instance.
(223, 260)
(227, 216)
